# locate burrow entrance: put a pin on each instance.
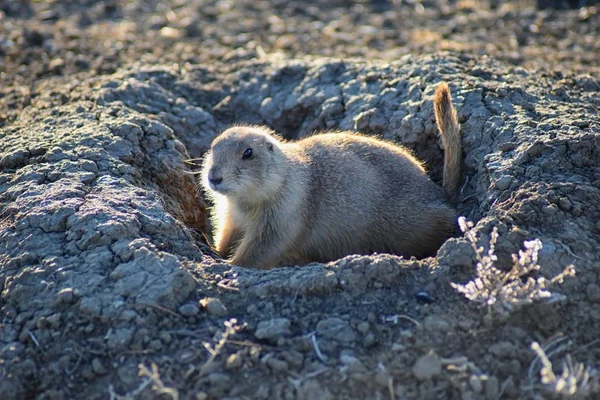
(296, 99)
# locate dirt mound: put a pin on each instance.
(103, 267)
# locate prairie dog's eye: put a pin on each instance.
(247, 153)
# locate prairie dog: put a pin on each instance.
(328, 195)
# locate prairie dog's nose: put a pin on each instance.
(214, 176)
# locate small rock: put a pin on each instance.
(435, 323)
(424, 297)
(336, 329)
(507, 146)
(476, 384)
(156, 344)
(565, 204)
(369, 340)
(189, 310)
(277, 365)
(363, 327)
(502, 349)
(313, 389)
(42, 323)
(120, 338)
(165, 336)
(398, 347)
(273, 329)
(65, 296)
(504, 182)
(171, 33)
(353, 364)
(128, 315)
(406, 334)
(234, 361)
(97, 367)
(427, 367)
(218, 379)
(293, 358)
(214, 306)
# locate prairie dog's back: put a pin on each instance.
(358, 186)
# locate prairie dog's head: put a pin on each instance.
(244, 163)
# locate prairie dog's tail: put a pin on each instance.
(447, 122)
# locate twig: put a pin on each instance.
(229, 330)
(130, 395)
(34, 339)
(320, 356)
(158, 386)
(568, 250)
(316, 373)
(391, 388)
(406, 317)
(224, 286)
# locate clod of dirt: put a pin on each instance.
(273, 329)
(427, 366)
(213, 306)
(336, 329)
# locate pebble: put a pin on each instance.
(382, 377)
(352, 363)
(502, 349)
(565, 204)
(363, 327)
(476, 384)
(156, 344)
(273, 329)
(120, 338)
(369, 340)
(507, 146)
(213, 306)
(336, 329)
(293, 358)
(97, 367)
(277, 365)
(504, 182)
(435, 323)
(424, 297)
(189, 310)
(218, 379)
(234, 361)
(427, 367)
(65, 296)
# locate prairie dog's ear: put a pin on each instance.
(269, 146)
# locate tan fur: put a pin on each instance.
(447, 122)
(328, 195)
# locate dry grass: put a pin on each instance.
(575, 382)
(504, 291)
